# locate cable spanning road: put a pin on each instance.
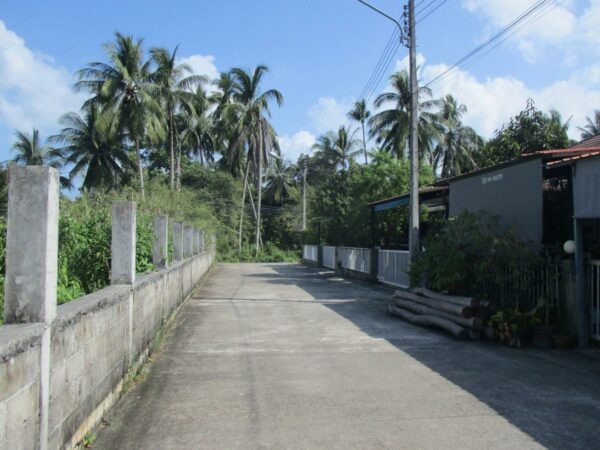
(280, 356)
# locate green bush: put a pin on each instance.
(269, 253)
(471, 251)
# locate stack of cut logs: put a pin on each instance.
(462, 317)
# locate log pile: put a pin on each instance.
(463, 317)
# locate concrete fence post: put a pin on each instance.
(31, 264)
(188, 241)
(160, 246)
(374, 269)
(196, 239)
(122, 270)
(201, 240)
(178, 241)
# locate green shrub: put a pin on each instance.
(269, 253)
(471, 251)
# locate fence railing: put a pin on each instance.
(393, 267)
(311, 252)
(357, 259)
(522, 287)
(594, 296)
(329, 257)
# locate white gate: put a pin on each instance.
(329, 257)
(357, 259)
(393, 268)
(311, 253)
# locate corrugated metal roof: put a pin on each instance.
(572, 159)
(589, 143)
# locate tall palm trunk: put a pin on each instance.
(259, 187)
(253, 208)
(364, 141)
(171, 149)
(178, 170)
(243, 204)
(140, 168)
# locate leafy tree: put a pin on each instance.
(390, 127)
(173, 82)
(360, 114)
(592, 127)
(94, 146)
(456, 143)
(530, 131)
(253, 134)
(123, 86)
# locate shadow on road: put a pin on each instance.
(552, 396)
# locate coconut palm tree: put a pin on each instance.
(200, 129)
(338, 148)
(592, 127)
(174, 83)
(94, 146)
(360, 114)
(456, 143)
(280, 182)
(31, 152)
(253, 135)
(390, 127)
(123, 86)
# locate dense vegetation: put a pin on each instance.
(205, 151)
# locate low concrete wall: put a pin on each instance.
(20, 350)
(95, 341)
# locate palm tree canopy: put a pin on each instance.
(390, 127)
(338, 148)
(253, 132)
(31, 152)
(94, 145)
(280, 183)
(592, 127)
(359, 112)
(456, 143)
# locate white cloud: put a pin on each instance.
(491, 102)
(328, 114)
(34, 91)
(202, 65)
(293, 146)
(551, 27)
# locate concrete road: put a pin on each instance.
(280, 356)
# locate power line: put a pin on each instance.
(425, 7)
(432, 11)
(491, 40)
(542, 12)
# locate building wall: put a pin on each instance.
(513, 193)
(586, 184)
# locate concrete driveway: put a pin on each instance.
(280, 356)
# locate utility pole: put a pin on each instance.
(414, 238)
(304, 197)
(408, 36)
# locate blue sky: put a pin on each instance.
(320, 53)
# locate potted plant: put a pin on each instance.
(512, 327)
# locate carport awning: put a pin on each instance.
(428, 196)
(391, 204)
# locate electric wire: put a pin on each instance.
(431, 11)
(527, 13)
(542, 12)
